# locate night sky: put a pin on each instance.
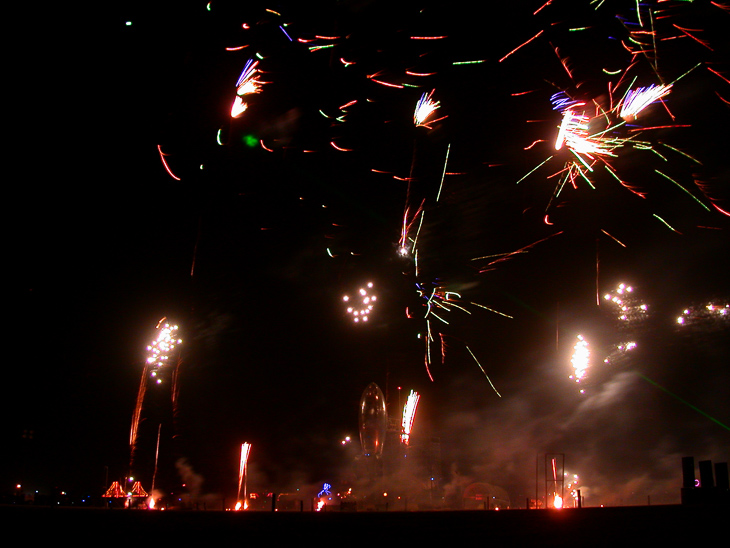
(269, 224)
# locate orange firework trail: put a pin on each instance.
(506, 256)
(164, 163)
(242, 469)
(136, 416)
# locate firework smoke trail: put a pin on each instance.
(409, 414)
(242, 469)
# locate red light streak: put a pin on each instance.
(164, 163)
(520, 46)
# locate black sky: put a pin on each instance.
(103, 241)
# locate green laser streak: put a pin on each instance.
(700, 411)
(534, 169)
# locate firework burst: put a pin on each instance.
(425, 108)
(159, 351)
(360, 306)
(247, 84)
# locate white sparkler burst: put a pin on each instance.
(238, 107)
(242, 472)
(247, 84)
(574, 133)
(637, 100)
(424, 109)
(409, 413)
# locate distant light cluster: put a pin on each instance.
(362, 305)
(629, 309)
(709, 312)
(573, 489)
(619, 352)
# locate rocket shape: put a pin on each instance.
(373, 421)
